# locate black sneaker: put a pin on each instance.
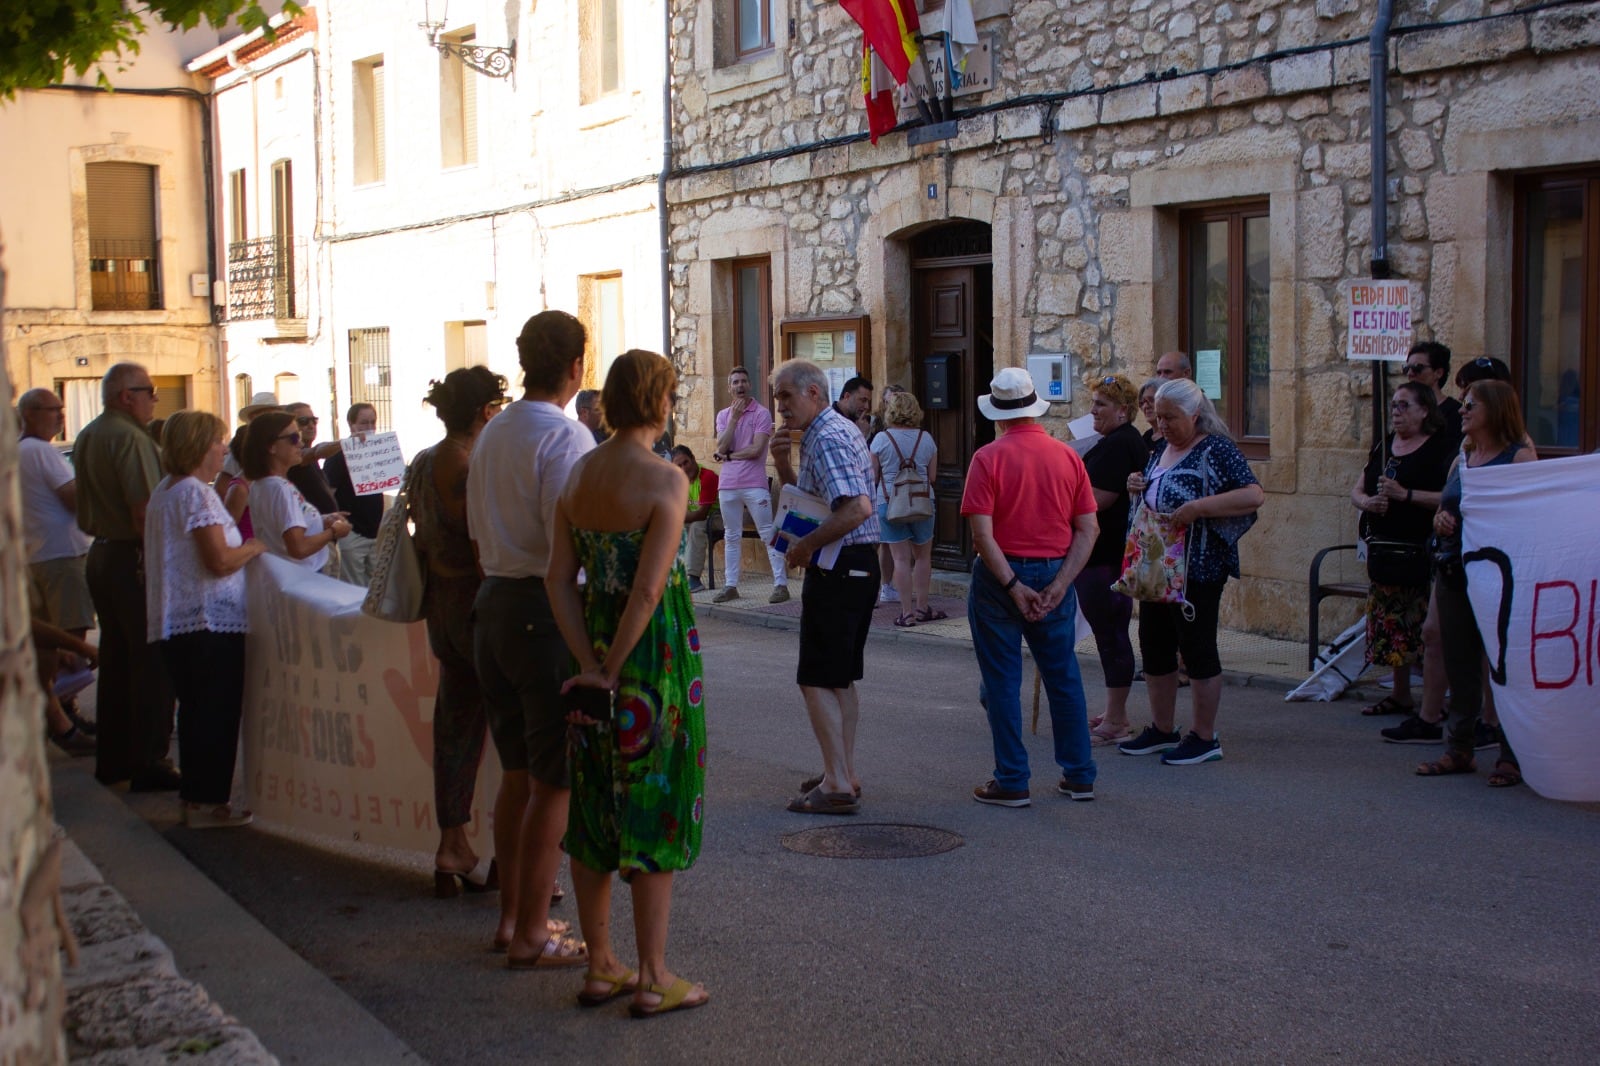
(1150, 742)
(992, 793)
(1075, 790)
(1414, 731)
(1484, 736)
(1193, 750)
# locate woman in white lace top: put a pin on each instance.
(195, 596)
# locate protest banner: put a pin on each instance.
(1533, 575)
(1379, 324)
(338, 717)
(376, 464)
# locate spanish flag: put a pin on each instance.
(889, 29)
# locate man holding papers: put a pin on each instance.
(836, 600)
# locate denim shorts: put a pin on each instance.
(918, 532)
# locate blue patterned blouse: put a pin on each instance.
(1214, 466)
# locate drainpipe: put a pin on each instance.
(1378, 65)
(661, 182)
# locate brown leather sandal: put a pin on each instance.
(1451, 762)
(1506, 774)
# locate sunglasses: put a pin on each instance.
(1483, 362)
(151, 389)
(1400, 406)
(306, 420)
(1411, 370)
(295, 437)
(1109, 379)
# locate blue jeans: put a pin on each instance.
(997, 634)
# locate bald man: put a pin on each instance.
(1174, 365)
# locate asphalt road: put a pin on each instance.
(1307, 899)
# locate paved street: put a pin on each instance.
(1305, 900)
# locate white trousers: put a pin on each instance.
(734, 502)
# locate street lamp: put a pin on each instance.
(495, 62)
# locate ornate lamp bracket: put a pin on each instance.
(494, 62)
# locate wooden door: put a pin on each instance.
(952, 312)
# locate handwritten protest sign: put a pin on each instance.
(375, 464)
(1380, 320)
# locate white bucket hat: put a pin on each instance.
(260, 403)
(1011, 395)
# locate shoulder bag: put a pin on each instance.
(395, 594)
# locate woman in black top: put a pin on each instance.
(1119, 452)
(1397, 495)
(1147, 407)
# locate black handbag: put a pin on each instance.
(1397, 562)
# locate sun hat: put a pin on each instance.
(260, 403)
(1011, 395)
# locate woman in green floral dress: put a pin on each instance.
(638, 740)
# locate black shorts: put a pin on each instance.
(522, 663)
(1164, 632)
(835, 615)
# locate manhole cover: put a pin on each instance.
(872, 840)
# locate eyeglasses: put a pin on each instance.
(1470, 405)
(1401, 406)
(288, 436)
(306, 420)
(1411, 370)
(151, 389)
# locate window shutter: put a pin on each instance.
(469, 109)
(378, 137)
(122, 210)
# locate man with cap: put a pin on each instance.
(1032, 513)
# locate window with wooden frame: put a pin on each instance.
(600, 311)
(238, 197)
(458, 105)
(752, 27)
(368, 119)
(1555, 357)
(599, 49)
(752, 321)
(1225, 283)
(124, 268)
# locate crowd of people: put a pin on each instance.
(558, 603)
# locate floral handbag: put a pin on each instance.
(1155, 559)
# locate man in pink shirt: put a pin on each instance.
(743, 429)
(1032, 513)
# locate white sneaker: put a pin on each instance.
(887, 594)
(222, 816)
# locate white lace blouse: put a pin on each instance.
(181, 595)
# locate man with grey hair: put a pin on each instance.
(57, 548)
(836, 601)
(1174, 365)
(118, 467)
(587, 406)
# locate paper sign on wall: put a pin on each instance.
(376, 464)
(1208, 372)
(1379, 327)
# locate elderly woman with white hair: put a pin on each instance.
(1196, 475)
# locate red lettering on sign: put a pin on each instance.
(1569, 633)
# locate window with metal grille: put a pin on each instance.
(458, 105)
(369, 371)
(124, 270)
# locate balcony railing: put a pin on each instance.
(267, 279)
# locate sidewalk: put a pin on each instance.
(1247, 659)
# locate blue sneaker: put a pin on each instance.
(1192, 750)
(1149, 742)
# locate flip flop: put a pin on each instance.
(673, 997)
(560, 950)
(622, 984)
(819, 802)
(1102, 735)
(812, 782)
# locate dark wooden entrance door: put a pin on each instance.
(952, 337)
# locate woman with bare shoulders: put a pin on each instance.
(638, 738)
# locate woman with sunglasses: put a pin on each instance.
(1491, 420)
(1119, 452)
(280, 515)
(1397, 495)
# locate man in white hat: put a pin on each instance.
(1032, 512)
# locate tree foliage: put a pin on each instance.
(41, 39)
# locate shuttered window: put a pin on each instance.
(122, 236)
(458, 105)
(367, 120)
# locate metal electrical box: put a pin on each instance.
(936, 376)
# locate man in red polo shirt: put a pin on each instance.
(1032, 513)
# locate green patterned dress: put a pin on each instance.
(638, 782)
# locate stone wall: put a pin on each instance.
(1083, 192)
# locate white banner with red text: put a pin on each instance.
(1533, 574)
(338, 717)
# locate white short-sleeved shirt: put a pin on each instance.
(50, 530)
(181, 595)
(276, 507)
(915, 444)
(519, 466)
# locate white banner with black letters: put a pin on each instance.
(1533, 574)
(338, 716)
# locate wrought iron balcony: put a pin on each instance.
(267, 279)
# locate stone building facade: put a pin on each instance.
(1145, 177)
